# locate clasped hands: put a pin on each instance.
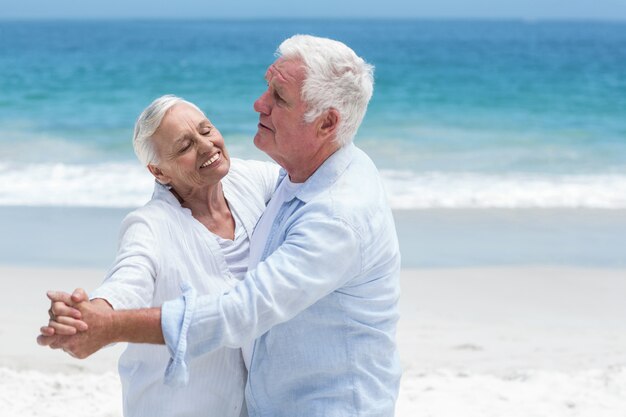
(77, 325)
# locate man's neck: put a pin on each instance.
(303, 172)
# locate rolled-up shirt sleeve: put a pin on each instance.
(319, 255)
(175, 319)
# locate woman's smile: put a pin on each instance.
(211, 160)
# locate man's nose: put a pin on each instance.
(262, 104)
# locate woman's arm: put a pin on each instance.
(128, 284)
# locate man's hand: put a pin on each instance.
(91, 321)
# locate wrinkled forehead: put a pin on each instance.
(184, 110)
(289, 71)
(181, 115)
(180, 119)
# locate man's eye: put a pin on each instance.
(185, 147)
(207, 132)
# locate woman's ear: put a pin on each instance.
(158, 174)
(329, 123)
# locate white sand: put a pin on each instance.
(513, 342)
(473, 342)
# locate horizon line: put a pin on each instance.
(311, 18)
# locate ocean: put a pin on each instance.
(466, 115)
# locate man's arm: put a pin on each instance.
(105, 326)
(319, 255)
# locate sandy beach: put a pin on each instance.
(510, 341)
(503, 312)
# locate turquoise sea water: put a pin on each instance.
(465, 114)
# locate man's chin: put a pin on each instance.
(259, 140)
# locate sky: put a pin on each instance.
(489, 9)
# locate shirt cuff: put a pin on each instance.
(111, 297)
(175, 319)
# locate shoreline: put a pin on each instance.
(429, 238)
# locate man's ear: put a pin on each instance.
(158, 174)
(328, 123)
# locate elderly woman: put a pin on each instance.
(194, 231)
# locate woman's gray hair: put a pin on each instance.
(148, 122)
(335, 78)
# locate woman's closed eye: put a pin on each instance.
(185, 147)
(205, 129)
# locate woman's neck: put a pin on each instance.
(209, 206)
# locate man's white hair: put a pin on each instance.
(148, 122)
(335, 78)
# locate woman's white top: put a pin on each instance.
(162, 247)
(236, 251)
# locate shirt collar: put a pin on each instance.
(325, 175)
(162, 192)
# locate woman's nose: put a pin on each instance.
(205, 144)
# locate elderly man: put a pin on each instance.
(316, 313)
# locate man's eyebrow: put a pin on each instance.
(277, 74)
(270, 70)
(278, 89)
(277, 85)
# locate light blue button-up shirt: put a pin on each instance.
(321, 304)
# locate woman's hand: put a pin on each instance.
(65, 320)
(77, 326)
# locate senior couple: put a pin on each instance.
(244, 289)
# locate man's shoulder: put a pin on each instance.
(355, 196)
(360, 186)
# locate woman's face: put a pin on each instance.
(190, 149)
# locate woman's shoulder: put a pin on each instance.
(155, 213)
(252, 172)
(240, 166)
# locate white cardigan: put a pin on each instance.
(161, 247)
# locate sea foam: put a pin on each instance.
(409, 190)
(123, 184)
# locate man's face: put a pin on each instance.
(282, 132)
